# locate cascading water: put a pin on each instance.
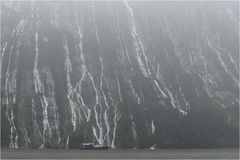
(124, 74)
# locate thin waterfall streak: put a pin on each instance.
(52, 105)
(39, 89)
(233, 63)
(138, 46)
(9, 61)
(3, 51)
(67, 143)
(134, 133)
(97, 116)
(160, 90)
(26, 137)
(105, 101)
(36, 75)
(94, 22)
(117, 31)
(116, 118)
(108, 127)
(143, 53)
(10, 102)
(85, 109)
(119, 89)
(68, 67)
(47, 133)
(170, 95)
(153, 127)
(10, 86)
(134, 92)
(225, 67)
(35, 125)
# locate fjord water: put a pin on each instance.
(122, 74)
(227, 153)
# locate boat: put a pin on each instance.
(87, 146)
(101, 147)
(91, 146)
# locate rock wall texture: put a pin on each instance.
(123, 74)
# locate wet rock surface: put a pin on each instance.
(121, 74)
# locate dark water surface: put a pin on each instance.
(121, 154)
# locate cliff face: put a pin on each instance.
(123, 74)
